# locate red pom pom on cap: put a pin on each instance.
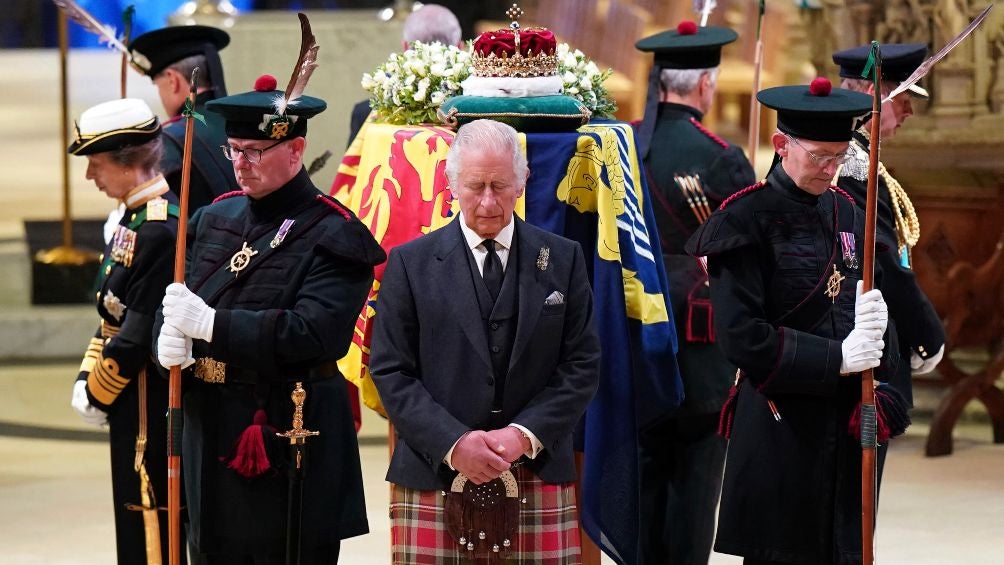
(265, 83)
(686, 27)
(820, 86)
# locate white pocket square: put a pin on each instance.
(554, 299)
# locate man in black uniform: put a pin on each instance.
(118, 382)
(784, 257)
(278, 275)
(918, 328)
(168, 56)
(690, 172)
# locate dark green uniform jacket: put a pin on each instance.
(288, 316)
(211, 174)
(911, 314)
(681, 146)
(130, 289)
(792, 487)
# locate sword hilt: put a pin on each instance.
(298, 435)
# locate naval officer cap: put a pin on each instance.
(817, 111)
(253, 115)
(899, 60)
(154, 51)
(688, 46)
(114, 125)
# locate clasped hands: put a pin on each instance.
(482, 456)
(186, 317)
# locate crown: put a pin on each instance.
(515, 52)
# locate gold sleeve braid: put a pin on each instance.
(91, 355)
(105, 382)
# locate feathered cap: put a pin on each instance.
(267, 113)
(110, 126)
(514, 51)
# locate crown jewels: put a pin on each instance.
(515, 52)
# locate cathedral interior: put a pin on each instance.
(942, 500)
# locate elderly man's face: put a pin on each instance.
(487, 187)
(271, 166)
(894, 113)
(811, 164)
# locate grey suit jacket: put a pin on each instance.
(430, 359)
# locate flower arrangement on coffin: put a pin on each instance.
(409, 87)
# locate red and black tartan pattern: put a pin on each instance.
(548, 528)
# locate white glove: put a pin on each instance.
(187, 312)
(870, 311)
(862, 349)
(173, 347)
(923, 366)
(82, 405)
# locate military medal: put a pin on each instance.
(543, 256)
(833, 284)
(849, 249)
(281, 234)
(242, 258)
(156, 210)
(114, 306)
(123, 245)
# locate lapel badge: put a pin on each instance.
(156, 210)
(833, 284)
(281, 234)
(242, 258)
(114, 306)
(543, 256)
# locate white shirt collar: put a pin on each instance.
(504, 237)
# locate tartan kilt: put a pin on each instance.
(548, 526)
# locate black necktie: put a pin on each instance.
(492, 270)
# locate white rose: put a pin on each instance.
(569, 78)
(585, 84)
(419, 95)
(437, 69)
(437, 97)
(568, 60)
(367, 81)
(572, 90)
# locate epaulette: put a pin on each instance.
(336, 205)
(700, 127)
(843, 192)
(226, 195)
(741, 193)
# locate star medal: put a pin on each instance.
(849, 250)
(281, 234)
(156, 210)
(114, 306)
(833, 284)
(242, 258)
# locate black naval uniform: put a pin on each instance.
(913, 317)
(288, 316)
(791, 491)
(211, 174)
(682, 458)
(130, 287)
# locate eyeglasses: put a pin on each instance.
(251, 155)
(822, 160)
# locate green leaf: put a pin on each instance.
(189, 112)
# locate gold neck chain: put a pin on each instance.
(907, 223)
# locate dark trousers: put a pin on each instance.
(681, 461)
(324, 555)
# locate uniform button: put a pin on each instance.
(495, 349)
(495, 325)
(108, 270)
(132, 218)
(101, 257)
(97, 295)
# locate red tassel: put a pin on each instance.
(250, 458)
(728, 413)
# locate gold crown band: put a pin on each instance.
(516, 66)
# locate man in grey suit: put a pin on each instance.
(485, 357)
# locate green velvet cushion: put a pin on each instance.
(531, 114)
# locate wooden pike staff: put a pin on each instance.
(127, 16)
(753, 142)
(869, 418)
(174, 416)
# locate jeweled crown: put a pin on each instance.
(515, 52)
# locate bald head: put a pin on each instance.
(431, 23)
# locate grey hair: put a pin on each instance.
(430, 23)
(187, 65)
(145, 156)
(485, 136)
(683, 81)
(862, 84)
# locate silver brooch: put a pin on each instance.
(543, 257)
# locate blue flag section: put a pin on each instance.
(588, 185)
